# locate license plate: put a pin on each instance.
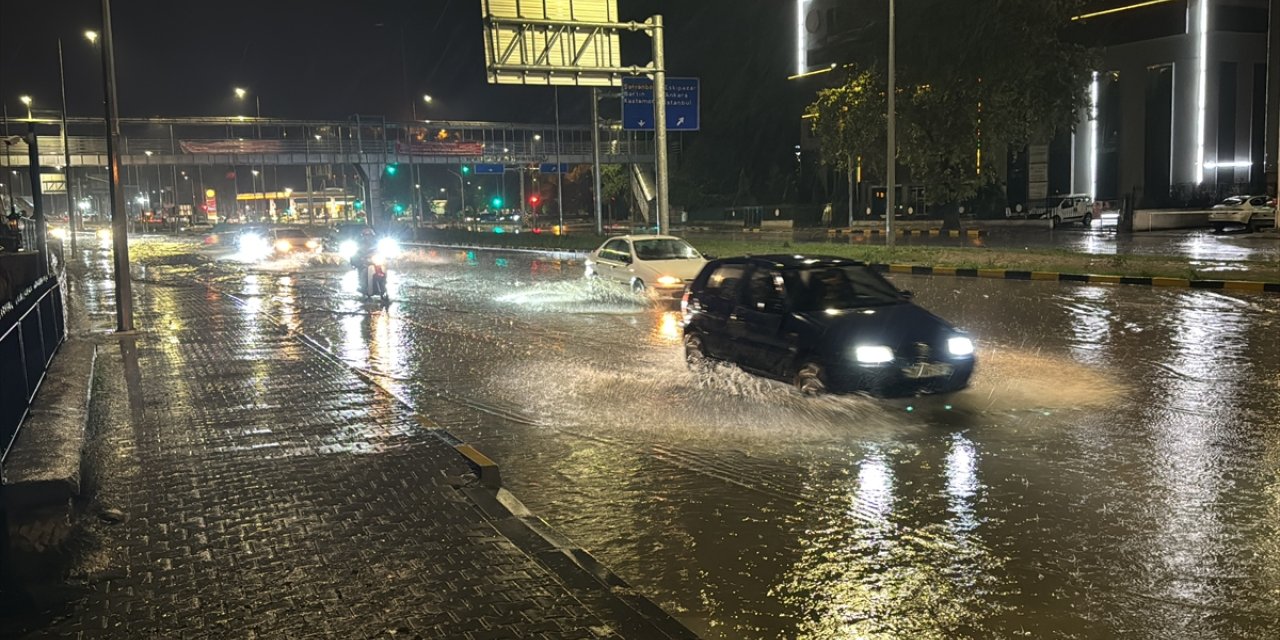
(927, 370)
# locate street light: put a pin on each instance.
(26, 100)
(426, 99)
(92, 36)
(240, 93)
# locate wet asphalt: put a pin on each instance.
(1113, 471)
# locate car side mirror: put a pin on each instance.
(905, 293)
(707, 256)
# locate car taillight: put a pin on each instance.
(684, 305)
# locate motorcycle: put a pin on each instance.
(373, 273)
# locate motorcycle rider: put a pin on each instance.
(366, 245)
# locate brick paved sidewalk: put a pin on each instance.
(270, 492)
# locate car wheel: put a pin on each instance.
(637, 286)
(1055, 221)
(1087, 220)
(809, 379)
(695, 352)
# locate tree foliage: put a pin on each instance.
(980, 74)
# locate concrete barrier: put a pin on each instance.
(1158, 219)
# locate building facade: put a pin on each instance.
(1184, 104)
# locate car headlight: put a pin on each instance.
(669, 280)
(313, 244)
(104, 234)
(389, 247)
(59, 233)
(283, 246)
(347, 249)
(873, 354)
(960, 346)
(251, 243)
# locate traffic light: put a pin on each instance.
(399, 208)
(392, 169)
(358, 205)
(496, 202)
(466, 169)
(534, 200)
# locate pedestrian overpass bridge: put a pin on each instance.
(370, 142)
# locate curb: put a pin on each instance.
(1050, 276)
(572, 564)
(555, 253)
(942, 233)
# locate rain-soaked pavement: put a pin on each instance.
(1113, 472)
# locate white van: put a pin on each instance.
(1075, 207)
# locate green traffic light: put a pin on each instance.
(391, 169)
(496, 201)
(358, 205)
(465, 169)
(399, 208)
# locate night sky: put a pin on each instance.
(306, 58)
(330, 60)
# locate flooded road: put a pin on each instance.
(1113, 471)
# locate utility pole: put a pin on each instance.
(595, 160)
(1273, 90)
(37, 196)
(559, 167)
(119, 217)
(891, 162)
(660, 124)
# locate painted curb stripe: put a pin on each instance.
(490, 476)
(1237, 285)
(1050, 276)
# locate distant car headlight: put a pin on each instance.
(873, 354)
(347, 249)
(388, 247)
(283, 246)
(252, 243)
(104, 235)
(960, 346)
(669, 280)
(58, 232)
(313, 244)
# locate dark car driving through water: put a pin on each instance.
(824, 324)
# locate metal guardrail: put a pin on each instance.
(31, 330)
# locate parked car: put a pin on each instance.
(654, 265)
(1075, 207)
(1251, 212)
(824, 324)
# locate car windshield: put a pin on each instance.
(822, 288)
(665, 249)
(290, 233)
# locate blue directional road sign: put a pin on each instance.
(550, 167)
(683, 108)
(490, 168)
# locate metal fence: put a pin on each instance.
(32, 328)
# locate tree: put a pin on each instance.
(973, 78)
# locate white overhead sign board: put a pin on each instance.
(552, 42)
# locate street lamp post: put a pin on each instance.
(73, 215)
(891, 163)
(26, 101)
(119, 217)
